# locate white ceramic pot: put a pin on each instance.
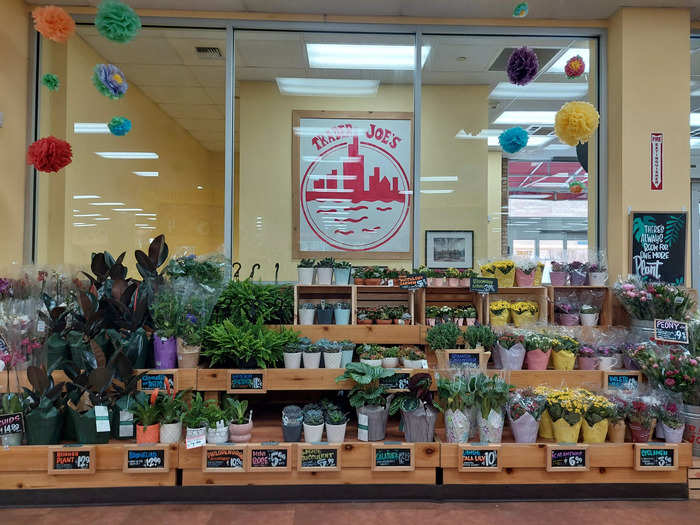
(371, 362)
(589, 319)
(306, 316)
(332, 359)
(313, 433)
(413, 363)
(170, 432)
(390, 362)
(598, 278)
(324, 275)
(335, 433)
(292, 360)
(217, 435)
(305, 275)
(608, 363)
(311, 360)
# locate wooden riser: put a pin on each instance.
(541, 476)
(606, 311)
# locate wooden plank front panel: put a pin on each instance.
(541, 476)
(374, 334)
(101, 478)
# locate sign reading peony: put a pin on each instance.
(353, 176)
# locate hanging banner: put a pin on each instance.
(657, 161)
(352, 184)
(658, 246)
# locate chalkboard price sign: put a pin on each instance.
(249, 382)
(655, 457)
(151, 382)
(270, 459)
(567, 458)
(318, 457)
(139, 459)
(481, 458)
(463, 359)
(393, 457)
(224, 459)
(412, 282)
(658, 246)
(483, 285)
(398, 381)
(628, 381)
(670, 331)
(11, 423)
(71, 460)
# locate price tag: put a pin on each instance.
(464, 358)
(197, 440)
(393, 457)
(655, 457)
(483, 285)
(670, 331)
(224, 458)
(318, 458)
(479, 458)
(11, 423)
(246, 382)
(150, 382)
(145, 459)
(399, 381)
(270, 458)
(126, 424)
(567, 458)
(71, 460)
(627, 381)
(362, 427)
(412, 282)
(102, 418)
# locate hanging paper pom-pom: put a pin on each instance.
(49, 154)
(576, 187)
(575, 122)
(116, 21)
(520, 10)
(119, 126)
(110, 81)
(50, 81)
(53, 23)
(513, 140)
(575, 67)
(522, 66)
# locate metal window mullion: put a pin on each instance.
(230, 143)
(417, 86)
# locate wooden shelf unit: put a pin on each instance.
(369, 296)
(606, 310)
(535, 293)
(452, 297)
(315, 293)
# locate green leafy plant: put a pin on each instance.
(326, 262)
(418, 395)
(367, 389)
(236, 411)
(342, 264)
(412, 353)
(391, 351)
(206, 271)
(166, 312)
(443, 336)
(313, 417)
(480, 335)
(491, 393)
(456, 394)
(11, 403)
(249, 301)
(306, 263)
(371, 352)
(341, 306)
(148, 411)
(336, 417)
(195, 416)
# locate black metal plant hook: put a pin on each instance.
(252, 271)
(238, 270)
(277, 270)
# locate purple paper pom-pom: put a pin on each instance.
(522, 66)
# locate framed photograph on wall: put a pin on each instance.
(449, 249)
(352, 184)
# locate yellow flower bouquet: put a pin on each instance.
(564, 351)
(487, 270)
(566, 409)
(500, 313)
(538, 274)
(596, 419)
(524, 313)
(504, 271)
(546, 431)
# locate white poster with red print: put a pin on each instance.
(355, 185)
(657, 161)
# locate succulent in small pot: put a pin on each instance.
(384, 315)
(332, 353)
(311, 356)
(371, 355)
(305, 271)
(147, 415)
(412, 357)
(336, 424)
(217, 425)
(347, 350)
(390, 357)
(341, 312)
(292, 419)
(324, 313)
(307, 312)
(341, 272)
(240, 428)
(364, 317)
(313, 426)
(324, 270)
(589, 315)
(373, 276)
(292, 356)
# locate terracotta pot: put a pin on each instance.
(616, 432)
(436, 281)
(385, 321)
(149, 434)
(373, 282)
(639, 434)
(563, 360)
(359, 281)
(464, 283)
(537, 359)
(240, 433)
(523, 279)
(558, 278)
(453, 282)
(365, 321)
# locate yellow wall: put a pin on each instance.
(14, 63)
(265, 165)
(494, 207)
(648, 91)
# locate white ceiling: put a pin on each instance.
(559, 9)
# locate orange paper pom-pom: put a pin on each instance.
(53, 23)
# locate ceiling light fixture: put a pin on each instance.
(102, 219)
(145, 173)
(127, 209)
(539, 91)
(364, 56)
(106, 204)
(437, 191)
(327, 87)
(544, 118)
(145, 214)
(439, 179)
(127, 154)
(86, 197)
(86, 214)
(91, 128)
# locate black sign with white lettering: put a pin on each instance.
(11, 423)
(658, 247)
(398, 381)
(656, 457)
(483, 285)
(157, 381)
(670, 331)
(145, 459)
(562, 458)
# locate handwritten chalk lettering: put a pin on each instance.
(568, 458)
(479, 458)
(246, 381)
(483, 285)
(11, 424)
(622, 382)
(389, 457)
(265, 458)
(412, 282)
(656, 457)
(71, 460)
(319, 458)
(225, 458)
(463, 360)
(157, 381)
(658, 246)
(670, 331)
(145, 459)
(396, 382)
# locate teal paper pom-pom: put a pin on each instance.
(119, 126)
(116, 21)
(513, 140)
(50, 81)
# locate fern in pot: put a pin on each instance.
(313, 426)
(312, 356)
(305, 271)
(240, 428)
(418, 412)
(336, 424)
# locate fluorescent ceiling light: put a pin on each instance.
(439, 179)
(91, 128)
(127, 154)
(150, 218)
(146, 227)
(127, 209)
(86, 197)
(364, 56)
(83, 225)
(146, 214)
(140, 224)
(106, 204)
(526, 117)
(560, 147)
(437, 191)
(539, 91)
(103, 219)
(86, 214)
(559, 65)
(515, 197)
(145, 173)
(76, 211)
(327, 87)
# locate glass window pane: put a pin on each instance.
(524, 248)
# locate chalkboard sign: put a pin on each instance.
(628, 381)
(670, 331)
(412, 282)
(71, 460)
(464, 358)
(393, 457)
(222, 458)
(246, 381)
(398, 381)
(318, 457)
(483, 285)
(567, 458)
(655, 457)
(658, 246)
(479, 458)
(144, 459)
(11, 423)
(151, 382)
(270, 458)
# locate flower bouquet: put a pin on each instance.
(525, 408)
(672, 422)
(566, 408)
(566, 310)
(525, 271)
(565, 349)
(598, 271)
(558, 275)
(500, 313)
(538, 348)
(647, 302)
(596, 418)
(504, 271)
(578, 273)
(510, 350)
(524, 313)
(587, 358)
(640, 418)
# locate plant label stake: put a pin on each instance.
(224, 458)
(481, 458)
(101, 418)
(568, 458)
(71, 459)
(648, 456)
(144, 459)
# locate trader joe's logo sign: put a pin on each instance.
(354, 179)
(658, 246)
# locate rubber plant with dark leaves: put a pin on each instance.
(44, 404)
(85, 391)
(418, 409)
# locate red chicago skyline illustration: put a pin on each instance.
(353, 188)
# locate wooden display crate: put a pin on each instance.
(392, 334)
(315, 293)
(452, 297)
(535, 293)
(606, 310)
(369, 296)
(694, 479)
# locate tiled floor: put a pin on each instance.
(525, 513)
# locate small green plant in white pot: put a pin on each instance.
(194, 419)
(371, 355)
(305, 271)
(324, 271)
(412, 357)
(336, 424)
(589, 315)
(173, 409)
(307, 312)
(390, 357)
(313, 426)
(341, 272)
(240, 428)
(312, 356)
(292, 356)
(332, 355)
(217, 426)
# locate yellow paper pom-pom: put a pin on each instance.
(576, 122)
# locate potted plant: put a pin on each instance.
(166, 314)
(147, 416)
(292, 356)
(567, 314)
(524, 313)
(313, 426)
(43, 406)
(480, 337)
(324, 313)
(305, 271)
(364, 317)
(373, 276)
(347, 349)
(589, 315)
(240, 428)
(539, 348)
(341, 312)
(390, 357)
(405, 318)
(640, 418)
(458, 316)
(359, 275)
(587, 359)
(307, 312)
(456, 401)
(499, 313)
(511, 351)
(311, 356)
(452, 275)
(217, 425)
(566, 409)
(470, 315)
(616, 421)
(578, 273)
(525, 408)
(558, 276)
(525, 273)
(341, 272)
(504, 271)
(336, 423)
(418, 413)
(368, 397)
(383, 316)
(431, 314)
(371, 355)
(11, 403)
(394, 313)
(172, 410)
(672, 422)
(443, 337)
(86, 391)
(324, 271)
(332, 356)
(491, 397)
(598, 274)
(194, 418)
(465, 277)
(596, 418)
(565, 350)
(436, 278)
(292, 419)
(412, 357)
(609, 357)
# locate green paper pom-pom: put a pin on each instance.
(117, 21)
(50, 81)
